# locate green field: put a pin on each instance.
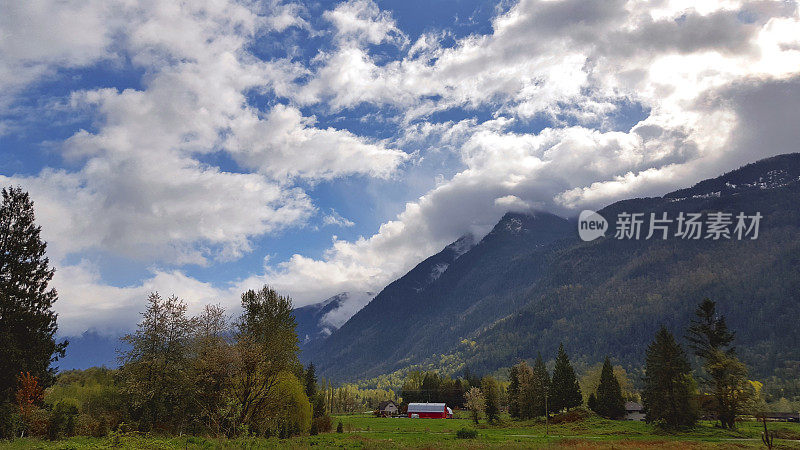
(365, 431)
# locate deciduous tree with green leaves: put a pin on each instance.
(491, 394)
(475, 403)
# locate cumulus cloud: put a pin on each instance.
(714, 85)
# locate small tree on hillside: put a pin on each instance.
(609, 402)
(475, 403)
(669, 386)
(565, 392)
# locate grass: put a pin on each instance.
(367, 432)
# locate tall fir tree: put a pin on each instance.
(27, 321)
(669, 387)
(310, 381)
(565, 392)
(725, 376)
(541, 388)
(608, 401)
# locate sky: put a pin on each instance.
(207, 147)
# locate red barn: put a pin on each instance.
(427, 410)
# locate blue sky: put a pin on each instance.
(205, 148)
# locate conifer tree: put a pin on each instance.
(27, 321)
(565, 392)
(311, 381)
(541, 381)
(669, 386)
(609, 401)
(591, 402)
(725, 376)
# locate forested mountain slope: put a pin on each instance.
(531, 283)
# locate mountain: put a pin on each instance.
(440, 300)
(531, 283)
(91, 349)
(319, 320)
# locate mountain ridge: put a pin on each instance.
(521, 290)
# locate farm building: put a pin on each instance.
(388, 408)
(634, 411)
(427, 410)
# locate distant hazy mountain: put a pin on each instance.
(531, 283)
(319, 320)
(89, 350)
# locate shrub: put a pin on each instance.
(467, 433)
(10, 423)
(289, 415)
(62, 419)
(323, 424)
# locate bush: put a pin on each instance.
(466, 433)
(340, 427)
(322, 424)
(34, 421)
(62, 419)
(10, 423)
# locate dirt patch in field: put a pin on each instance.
(576, 415)
(582, 444)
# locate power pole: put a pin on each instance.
(546, 414)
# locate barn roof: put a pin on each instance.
(426, 407)
(633, 406)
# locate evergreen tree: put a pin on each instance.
(669, 386)
(609, 401)
(311, 381)
(27, 321)
(513, 392)
(708, 332)
(541, 388)
(591, 402)
(565, 392)
(711, 340)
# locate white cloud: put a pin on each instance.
(717, 82)
(362, 21)
(334, 218)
